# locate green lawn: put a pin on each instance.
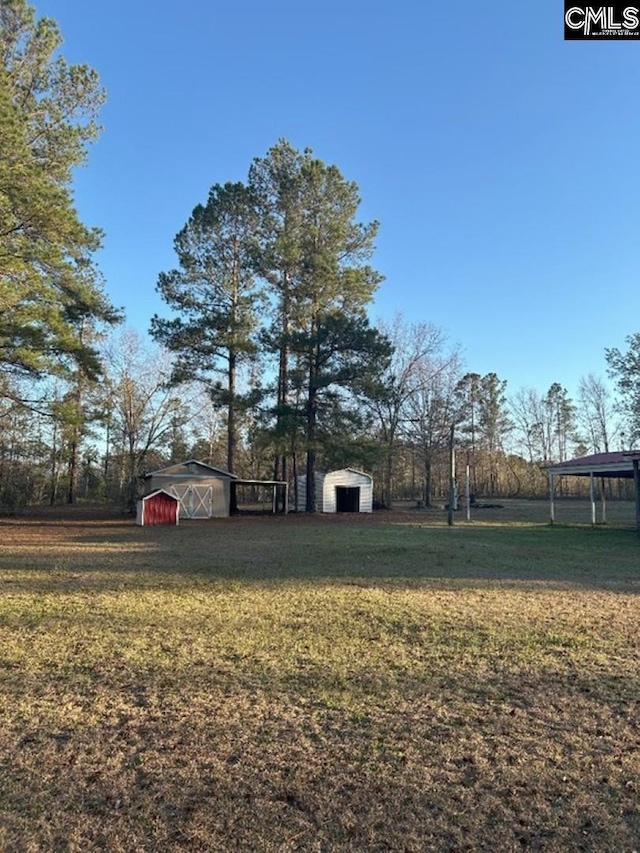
(320, 684)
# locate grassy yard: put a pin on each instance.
(319, 684)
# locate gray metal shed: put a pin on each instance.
(203, 491)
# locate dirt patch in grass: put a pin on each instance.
(310, 684)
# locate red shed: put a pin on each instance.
(159, 507)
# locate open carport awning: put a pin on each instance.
(619, 464)
(272, 484)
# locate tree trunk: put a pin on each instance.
(312, 414)
(54, 464)
(312, 417)
(388, 480)
(74, 446)
(132, 484)
(73, 470)
(231, 429)
(427, 480)
(295, 482)
(280, 463)
(310, 505)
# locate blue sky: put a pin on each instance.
(500, 161)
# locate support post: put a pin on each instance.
(286, 498)
(592, 496)
(552, 509)
(452, 476)
(636, 480)
(603, 496)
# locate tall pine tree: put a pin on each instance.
(216, 297)
(48, 284)
(315, 253)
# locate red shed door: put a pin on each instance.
(160, 509)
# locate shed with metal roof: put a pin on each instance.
(202, 490)
(344, 490)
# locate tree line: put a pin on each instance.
(266, 361)
(59, 445)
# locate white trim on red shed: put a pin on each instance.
(142, 510)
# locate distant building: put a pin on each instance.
(346, 490)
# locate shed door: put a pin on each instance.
(195, 501)
(202, 502)
(160, 509)
(347, 498)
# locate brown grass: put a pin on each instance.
(318, 684)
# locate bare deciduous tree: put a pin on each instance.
(408, 389)
(143, 407)
(596, 412)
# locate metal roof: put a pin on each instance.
(238, 482)
(618, 463)
(174, 469)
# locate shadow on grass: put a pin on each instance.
(396, 551)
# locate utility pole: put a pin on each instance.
(467, 492)
(452, 475)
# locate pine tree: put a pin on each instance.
(314, 255)
(215, 293)
(47, 280)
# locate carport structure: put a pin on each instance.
(623, 464)
(280, 489)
